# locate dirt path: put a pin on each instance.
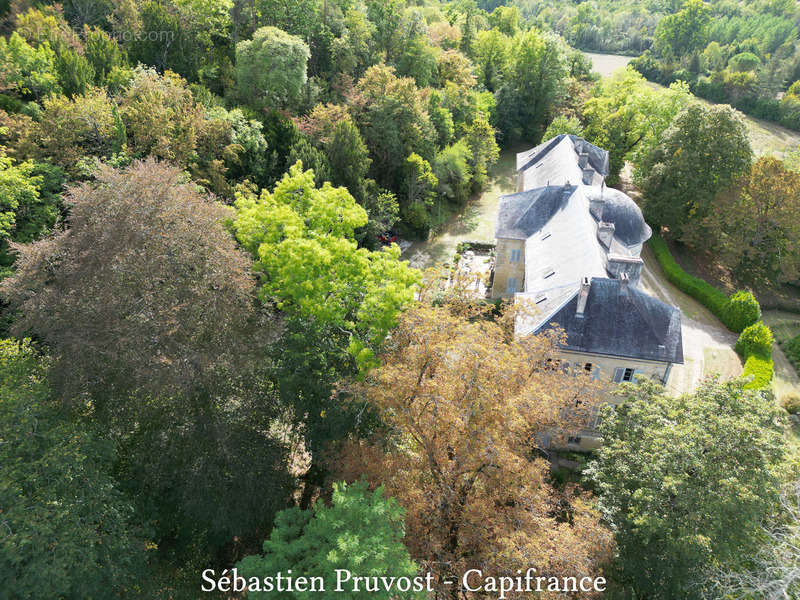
(707, 344)
(476, 222)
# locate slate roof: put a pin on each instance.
(564, 159)
(617, 207)
(621, 320)
(559, 216)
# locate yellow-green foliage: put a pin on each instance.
(761, 369)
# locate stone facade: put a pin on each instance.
(505, 268)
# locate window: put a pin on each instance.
(511, 285)
(574, 439)
(624, 374)
(516, 255)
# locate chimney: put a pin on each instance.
(623, 284)
(583, 296)
(596, 207)
(605, 233)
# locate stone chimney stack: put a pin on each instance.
(596, 207)
(583, 296)
(624, 282)
(605, 233)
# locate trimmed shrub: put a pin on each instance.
(756, 339)
(736, 312)
(743, 310)
(760, 368)
(791, 402)
(709, 296)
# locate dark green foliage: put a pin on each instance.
(75, 73)
(163, 41)
(311, 158)
(67, 531)
(686, 483)
(103, 53)
(792, 350)
(534, 84)
(709, 296)
(349, 159)
(791, 403)
(743, 310)
(701, 153)
(361, 531)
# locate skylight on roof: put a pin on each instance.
(546, 235)
(540, 297)
(548, 272)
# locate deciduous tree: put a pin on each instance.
(271, 68)
(67, 530)
(757, 223)
(700, 154)
(660, 457)
(464, 406)
(147, 309)
(302, 238)
(535, 80)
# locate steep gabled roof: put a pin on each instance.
(523, 214)
(563, 159)
(621, 320)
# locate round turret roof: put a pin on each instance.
(630, 227)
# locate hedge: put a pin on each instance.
(715, 300)
(739, 313)
(756, 339)
(760, 367)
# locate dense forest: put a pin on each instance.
(213, 359)
(741, 53)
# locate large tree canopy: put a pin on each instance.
(303, 240)
(271, 68)
(464, 406)
(67, 531)
(701, 153)
(148, 311)
(686, 482)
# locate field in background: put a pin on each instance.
(766, 137)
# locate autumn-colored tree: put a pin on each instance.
(467, 406)
(758, 223)
(147, 309)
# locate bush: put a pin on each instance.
(757, 340)
(735, 312)
(760, 368)
(791, 403)
(743, 310)
(709, 296)
(792, 350)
